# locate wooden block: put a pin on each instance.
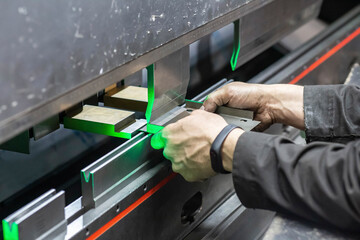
(118, 118)
(101, 120)
(133, 93)
(128, 97)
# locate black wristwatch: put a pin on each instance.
(215, 150)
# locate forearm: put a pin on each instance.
(319, 181)
(228, 148)
(286, 103)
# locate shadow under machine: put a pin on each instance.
(85, 85)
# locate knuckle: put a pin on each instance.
(231, 91)
(189, 178)
(167, 154)
(176, 168)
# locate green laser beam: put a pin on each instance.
(87, 178)
(151, 92)
(157, 141)
(194, 101)
(10, 231)
(236, 45)
(151, 128)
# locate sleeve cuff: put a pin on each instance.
(250, 148)
(318, 111)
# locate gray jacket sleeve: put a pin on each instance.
(319, 181)
(332, 113)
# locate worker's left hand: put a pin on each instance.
(188, 142)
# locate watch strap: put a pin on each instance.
(215, 150)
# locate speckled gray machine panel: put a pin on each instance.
(54, 54)
(48, 48)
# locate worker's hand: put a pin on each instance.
(281, 103)
(188, 142)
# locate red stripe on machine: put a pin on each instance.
(334, 50)
(129, 209)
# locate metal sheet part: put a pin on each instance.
(238, 117)
(170, 81)
(67, 51)
(223, 110)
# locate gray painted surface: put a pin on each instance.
(49, 47)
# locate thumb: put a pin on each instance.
(157, 141)
(215, 99)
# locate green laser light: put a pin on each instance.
(157, 141)
(236, 45)
(10, 231)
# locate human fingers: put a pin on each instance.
(218, 98)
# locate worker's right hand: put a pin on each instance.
(281, 103)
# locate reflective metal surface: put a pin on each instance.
(121, 178)
(96, 44)
(354, 74)
(106, 176)
(171, 79)
(53, 51)
(154, 216)
(238, 117)
(336, 68)
(231, 220)
(42, 218)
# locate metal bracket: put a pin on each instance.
(106, 176)
(239, 117)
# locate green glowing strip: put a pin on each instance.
(151, 128)
(194, 101)
(10, 232)
(151, 92)
(157, 141)
(87, 178)
(236, 45)
(94, 127)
